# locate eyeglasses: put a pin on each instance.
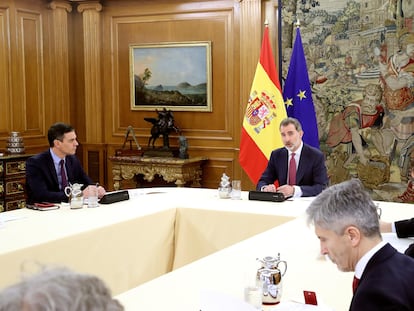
(379, 210)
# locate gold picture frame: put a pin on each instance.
(175, 76)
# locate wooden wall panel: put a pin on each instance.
(94, 158)
(68, 60)
(29, 61)
(92, 69)
(24, 74)
(34, 71)
(4, 70)
(141, 29)
(207, 132)
(58, 65)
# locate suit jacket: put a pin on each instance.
(405, 229)
(386, 283)
(311, 174)
(42, 181)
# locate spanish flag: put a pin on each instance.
(265, 110)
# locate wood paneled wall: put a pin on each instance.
(69, 61)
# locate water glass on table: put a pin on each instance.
(253, 290)
(235, 190)
(93, 196)
(253, 296)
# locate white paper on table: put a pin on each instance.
(135, 193)
(297, 306)
(215, 301)
(5, 217)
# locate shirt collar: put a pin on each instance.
(362, 263)
(56, 159)
(297, 152)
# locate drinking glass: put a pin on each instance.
(253, 296)
(253, 288)
(93, 196)
(236, 190)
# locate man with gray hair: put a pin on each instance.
(59, 289)
(347, 224)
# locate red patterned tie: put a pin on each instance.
(63, 174)
(292, 170)
(355, 284)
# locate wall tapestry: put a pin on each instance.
(360, 58)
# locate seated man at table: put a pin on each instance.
(59, 289)
(298, 168)
(48, 173)
(403, 228)
(347, 224)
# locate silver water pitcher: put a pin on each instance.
(269, 277)
(75, 195)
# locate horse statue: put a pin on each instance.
(163, 125)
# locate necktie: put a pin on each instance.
(63, 174)
(355, 284)
(292, 170)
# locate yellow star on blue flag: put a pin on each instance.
(301, 94)
(288, 102)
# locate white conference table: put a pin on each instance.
(133, 246)
(225, 271)
(130, 242)
(108, 241)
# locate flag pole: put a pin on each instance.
(279, 40)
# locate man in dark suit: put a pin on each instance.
(46, 178)
(403, 228)
(346, 222)
(311, 175)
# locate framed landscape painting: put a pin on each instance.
(175, 76)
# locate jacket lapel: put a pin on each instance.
(284, 167)
(301, 167)
(69, 170)
(52, 170)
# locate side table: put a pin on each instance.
(179, 171)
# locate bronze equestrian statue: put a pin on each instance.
(163, 125)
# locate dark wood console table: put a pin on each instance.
(13, 181)
(179, 171)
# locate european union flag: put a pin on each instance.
(297, 94)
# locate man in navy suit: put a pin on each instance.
(403, 228)
(347, 224)
(311, 174)
(44, 173)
